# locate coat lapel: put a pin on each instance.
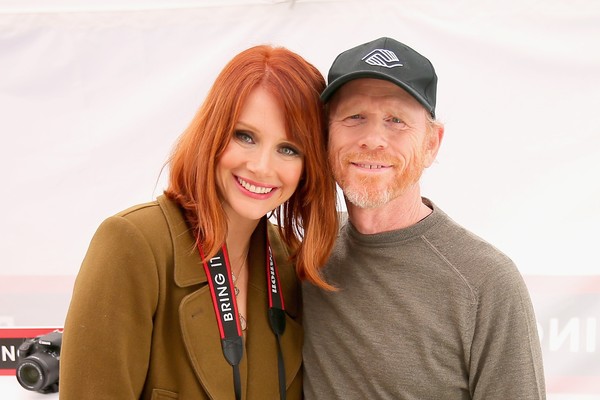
(258, 368)
(261, 344)
(197, 319)
(201, 337)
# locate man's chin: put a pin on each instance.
(367, 200)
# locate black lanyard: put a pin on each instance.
(218, 271)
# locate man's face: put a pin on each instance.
(380, 141)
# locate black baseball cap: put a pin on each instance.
(388, 59)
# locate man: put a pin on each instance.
(424, 309)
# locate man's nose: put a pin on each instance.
(374, 136)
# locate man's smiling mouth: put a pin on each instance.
(370, 166)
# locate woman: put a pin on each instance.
(177, 298)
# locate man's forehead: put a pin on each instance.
(360, 90)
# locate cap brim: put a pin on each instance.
(339, 82)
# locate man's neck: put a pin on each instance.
(402, 212)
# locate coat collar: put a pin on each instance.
(188, 266)
(198, 322)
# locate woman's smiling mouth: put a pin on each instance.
(253, 188)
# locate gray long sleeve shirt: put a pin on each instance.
(427, 312)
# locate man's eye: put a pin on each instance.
(243, 137)
(353, 120)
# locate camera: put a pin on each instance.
(38, 363)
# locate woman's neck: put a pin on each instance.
(238, 246)
(239, 233)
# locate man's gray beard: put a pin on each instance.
(358, 193)
(361, 198)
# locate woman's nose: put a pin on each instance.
(260, 162)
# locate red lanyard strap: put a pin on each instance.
(276, 306)
(218, 272)
(276, 314)
(221, 289)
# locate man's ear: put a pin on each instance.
(434, 141)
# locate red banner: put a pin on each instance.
(10, 340)
(568, 314)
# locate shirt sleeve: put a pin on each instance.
(108, 329)
(506, 359)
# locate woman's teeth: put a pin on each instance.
(254, 189)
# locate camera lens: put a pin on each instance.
(30, 374)
(37, 372)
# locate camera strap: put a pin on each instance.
(218, 270)
(276, 314)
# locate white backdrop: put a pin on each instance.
(94, 93)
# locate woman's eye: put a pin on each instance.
(289, 151)
(355, 116)
(243, 137)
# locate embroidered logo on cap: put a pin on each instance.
(382, 58)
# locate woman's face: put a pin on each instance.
(261, 167)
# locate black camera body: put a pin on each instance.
(38, 363)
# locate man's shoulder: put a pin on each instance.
(466, 251)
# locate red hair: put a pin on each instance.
(308, 220)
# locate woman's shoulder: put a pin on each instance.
(155, 219)
(160, 210)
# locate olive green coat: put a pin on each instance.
(141, 324)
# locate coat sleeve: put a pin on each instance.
(506, 359)
(108, 329)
